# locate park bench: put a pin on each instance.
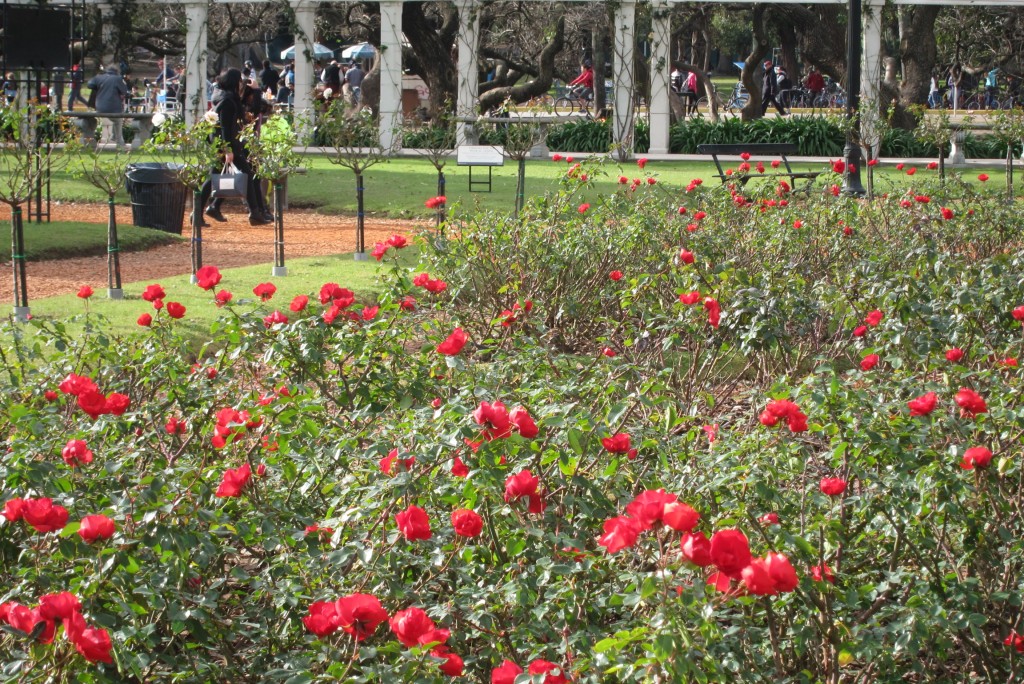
(480, 155)
(88, 122)
(778, 150)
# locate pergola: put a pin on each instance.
(390, 54)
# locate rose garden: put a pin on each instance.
(661, 433)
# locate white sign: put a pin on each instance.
(481, 155)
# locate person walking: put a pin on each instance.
(77, 80)
(354, 79)
(231, 119)
(770, 90)
(111, 94)
(269, 78)
(992, 89)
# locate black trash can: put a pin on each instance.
(158, 196)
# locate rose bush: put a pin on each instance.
(729, 495)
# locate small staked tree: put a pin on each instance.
(439, 145)
(1008, 128)
(197, 152)
(25, 157)
(355, 145)
(936, 130)
(273, 157)
(107, 173)
(520, 138)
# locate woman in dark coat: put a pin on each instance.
(231, 115)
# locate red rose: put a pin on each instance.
(59, 606)
(521, 419)
(467, 523)
(554, 673)
(954, 355)
(615, 275)
(522, 484)
(414, 523)
(1013, 640)
(25, 619)
(494, 418)
(971, 402)
(872, 162)
(233, 481)
(117, 404)
(14, 509)
(299, 303)
(145, 320)
(387, 464)
(686, 256)
(85, 292)
(757, 579)
(923, 405)
(946, 212)
(689, 298)
(275, 318)
(781, 571)
(94, 645)
(453, 666)
(697, 548)
(869, 362)
(583, 208)
(76, 452)
(175, 310)
(976, 457)
(730, 552)
(410, 625)
(95, 527)
(459, 468)
(641, 162)
(505, 673)
(322, 619)
(874, 318)
(769, 519)
(832, 486)
(359, 615)
(93, 403)
(380, 249)
(454, 343)
(714, 310)
(649, 507)
(44, 516)
(680, 516)
(153, 293)
(821, 573)
(208, 277)
(265, 291)
(860, 331)
(619, 443)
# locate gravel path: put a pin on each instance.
(225, 245)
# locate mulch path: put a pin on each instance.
(225, 245)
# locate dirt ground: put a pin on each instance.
(225, 245)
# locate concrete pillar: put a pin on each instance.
(871, 73)
(661, 64)
(196, 21)
(305, 71)
(624, 46)
(469, 72)
(390, 126)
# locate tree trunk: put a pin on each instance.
(917, 50)
(432, 49)
(113, 251)
(787, 41)
(822, 32)
(752, 109)
(369, 92)
(536, 86)
(278, 225)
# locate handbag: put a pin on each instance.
(230, 182)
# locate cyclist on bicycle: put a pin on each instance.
(585, 80)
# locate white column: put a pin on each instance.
(390, 126)
(661, 56)
(871, 72)
(469, 72)
(305, 73)
(196, 21)
(625, 42)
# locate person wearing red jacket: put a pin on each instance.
(586, 80)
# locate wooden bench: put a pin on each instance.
(88, 122)
(779, 150)
(480, 155)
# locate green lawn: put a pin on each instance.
(62, 239)
(305, 276)
(398, 188)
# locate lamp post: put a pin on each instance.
(851, 154)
